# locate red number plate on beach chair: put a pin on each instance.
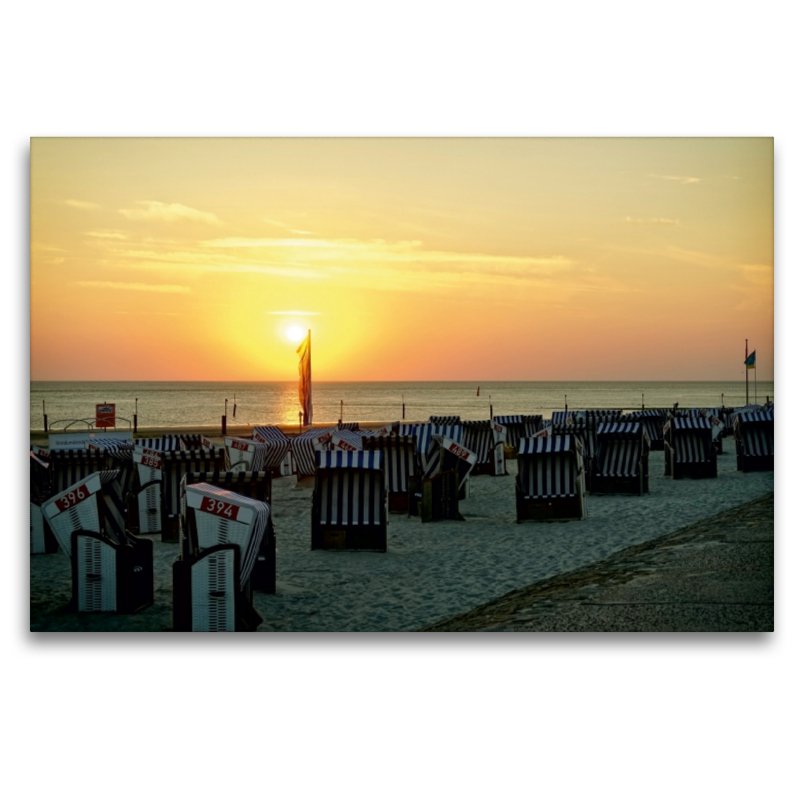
(459, 451)
(151, 458)
(73, 497)
(219, 507)
(259, 438)
(240, 445)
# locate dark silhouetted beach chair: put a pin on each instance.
(444, 482)
(112, 570)
(211, 578)
(256, 486)
(688, 448)
(621, 464)
(550, 481)
(348, 507)
(754, 433)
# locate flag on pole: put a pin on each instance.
(304, 351)
(750, 361)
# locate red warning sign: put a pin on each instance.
(105, 416)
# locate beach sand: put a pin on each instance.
(431, 572)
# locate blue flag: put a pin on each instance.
(750, 361)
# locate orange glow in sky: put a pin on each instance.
(408, 259)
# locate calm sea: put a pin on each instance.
(167, 404)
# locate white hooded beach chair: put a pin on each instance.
(256, 486)
(348, 507)
(550, 481)
(621, 464)
(688, 448)
(111, 569)
(755, 440)
(211, 585)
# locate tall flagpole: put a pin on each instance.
(746, 376)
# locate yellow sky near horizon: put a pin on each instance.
(409, 259)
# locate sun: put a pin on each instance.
(295, 334)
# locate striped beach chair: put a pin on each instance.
(754, 432)
(399, 459)
(621, 464)
(583, 429)
(653, 420)
(304, 447)
(519, 426)
(161, 443)
(452, 419)
(445, 485)
(348, 507)
(486, 438)
(278, 459)
(256, 486)
(550, 482)
(160, 480)
(112, 570)
(211, 581)
(688, 448)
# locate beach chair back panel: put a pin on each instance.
(304, 448)
(757, 440)
(347, 440)
(96, 569)
(160, 443)
(691, 447)
(71, 466)
(224, 517)
(277, 445)
(350, 487)
(429, 455)
(148, 463)
(74, 509)
(549, 475)
(619, 458)
(398, 458)
(480, 439)
(213, 592)
(244, 455)
(176, 464)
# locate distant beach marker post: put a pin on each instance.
(45, 417)
(225, 418)
(136, 415)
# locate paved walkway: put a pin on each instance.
(715, 575)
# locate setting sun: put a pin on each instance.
(295, 334)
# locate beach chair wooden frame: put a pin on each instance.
(688, 448)
(550, 483)
(348, 506)
(112, 570)
(754, 433)
(621, 463)
(256, 486)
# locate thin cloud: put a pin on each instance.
(135, 287)
(652, 221)
(84, 204)
(106, 234)
(294, 313)
(679, 178)
(168, 212)
(285, 227)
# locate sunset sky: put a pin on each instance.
(409, 259)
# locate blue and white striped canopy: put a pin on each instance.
(756, 416)
(545, 444)
(688, 423)
(619, 429)
(340, 459)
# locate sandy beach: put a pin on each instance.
(431, 572)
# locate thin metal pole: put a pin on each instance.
(746, 376)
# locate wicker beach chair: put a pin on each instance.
(348, 507)
(399, 466)
(621, 464)
(688, 448)
(112, 570)
(256, 486)
(211, 581)
(754, 432)
(550, 482)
